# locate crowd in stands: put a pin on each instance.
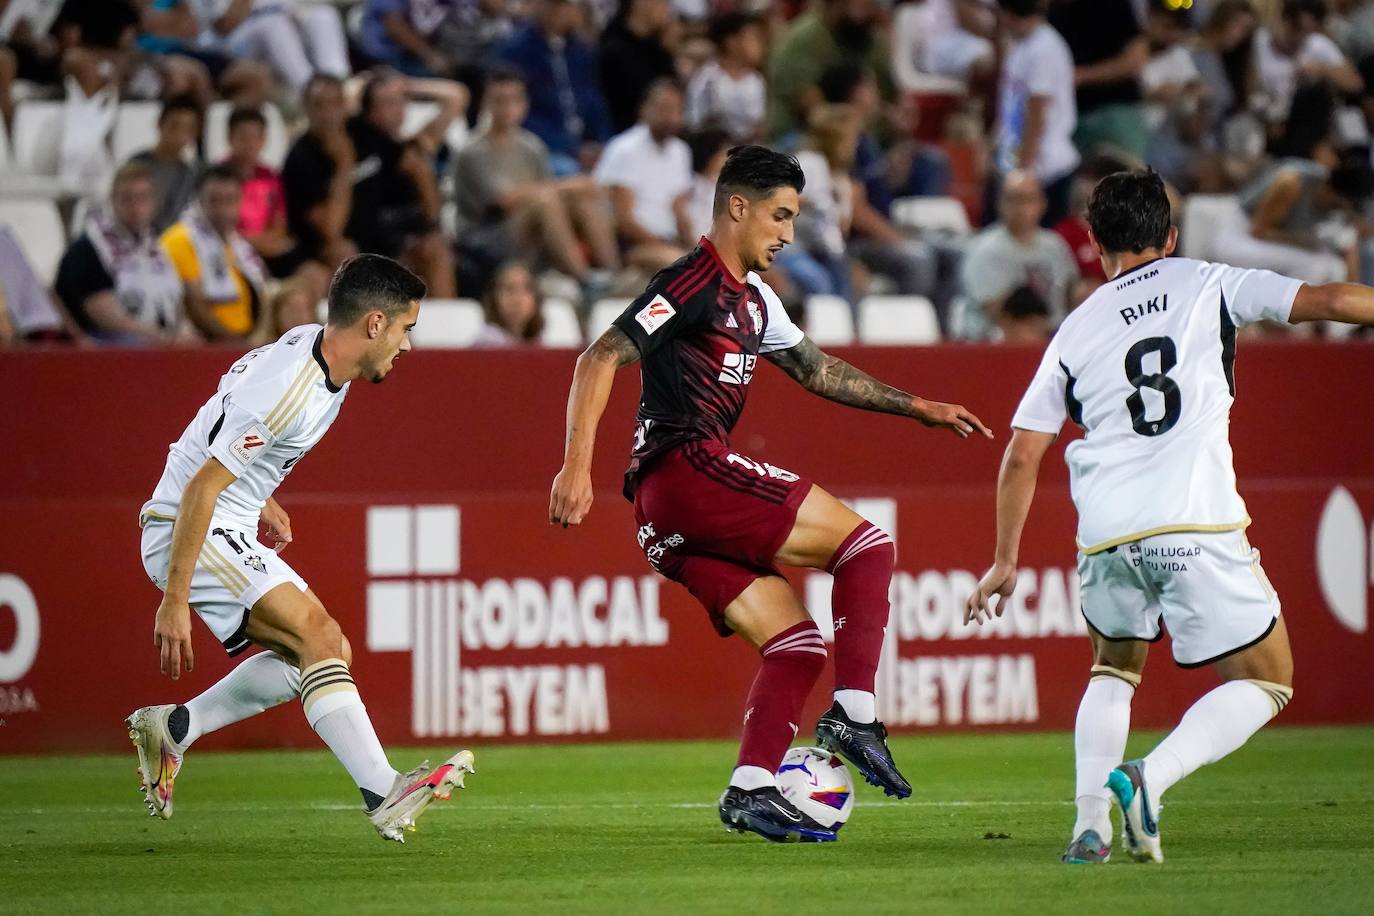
(518, 152)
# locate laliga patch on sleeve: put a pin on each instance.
(251, 443)
(655, 315)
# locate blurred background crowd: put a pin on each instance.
(177, 171)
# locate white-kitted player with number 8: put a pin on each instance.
(1145, 367)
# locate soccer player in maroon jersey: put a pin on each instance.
(721, 523)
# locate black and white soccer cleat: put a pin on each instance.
(865, 746)
(765, 812)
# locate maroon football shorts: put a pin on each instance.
(713, 520)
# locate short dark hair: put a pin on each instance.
(1129, 212)
(839, 80)
(705, 143)
(246, 115)
(1293, 10)
(368, 282)
(380, 77)
(221, 171)
(756, 172)
(1023, 7)
(727, 25)
(183, 102)
(505, 73)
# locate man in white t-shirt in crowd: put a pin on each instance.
(728, 91)
(1016, 253)
(1037, 110)
(1145, 366)
(1299, 54)
(648, 169)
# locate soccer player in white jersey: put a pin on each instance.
(1144, 367)
(201, 548)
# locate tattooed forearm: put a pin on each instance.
(836, 380)
(613, 347)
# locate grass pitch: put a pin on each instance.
(1284, 826)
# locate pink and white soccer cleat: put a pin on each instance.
(412, 792)
(159, 760)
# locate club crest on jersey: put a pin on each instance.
(738, 368)
(247, 446)
(755, 315)
(655, 315)
(253, 561)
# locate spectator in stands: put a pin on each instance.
(728, 91)
(262, 214)
(1284, 220)
(396, 202)
(567, 109)
(1174, 93)
(1232, 136)
(1109, 52)
(949, 38)
(224, 278)
(508, 197)
(1025, 318)
(512, 307)
(636, 49)
(403, 35)
(115, 279)
(296, 38)
(30, 312)
(292, 305)
(171, 31)
(1013, 254)
(836, 30)
(648, 169)
(174, 173)
(1037, 112)
(817, 261)
(318, 178)
(1300, 70)
(1074, 230)
(709, 148)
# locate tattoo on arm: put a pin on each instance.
(836, 380)
(614, 347)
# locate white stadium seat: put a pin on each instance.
(603, 313)
(898, 320)
(448, 323)
(274, 149)
(135, 128)
(37, 227)
(932, 214)
(1205, 218)
(829, 321)
(37, 137)
(4, 148)
(560, 325)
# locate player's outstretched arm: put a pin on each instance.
(1015, 490)
(1351, 303)
(836, 380)
(571, 498)
(172, 628)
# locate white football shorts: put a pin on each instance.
(233, 571)
(1207, 587)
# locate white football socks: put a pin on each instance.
(1217, 724)
(749, 778)
(859, 705)
(337, 714)
(256, 684)
(1099, 742)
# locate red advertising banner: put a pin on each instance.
(420, 521)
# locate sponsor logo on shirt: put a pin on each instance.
(738, 368)
(655, 315)
(248, 445)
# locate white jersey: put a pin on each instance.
(1144, 366)
(271, 407)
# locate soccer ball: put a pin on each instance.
(819, 784)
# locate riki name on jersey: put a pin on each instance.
(1158, 304)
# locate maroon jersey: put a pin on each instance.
(699, 332)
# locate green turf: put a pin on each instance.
(1281, 827)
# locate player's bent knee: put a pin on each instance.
(346, 651)
(1279, 694)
